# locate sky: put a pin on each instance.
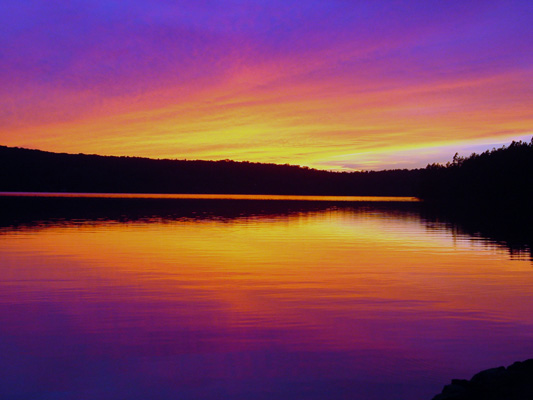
(329, 84)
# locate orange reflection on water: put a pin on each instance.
(300, 297)
(321, 263)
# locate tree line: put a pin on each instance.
(40, 171)
(497, 176)
(503, 175)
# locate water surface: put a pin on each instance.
(274, 300)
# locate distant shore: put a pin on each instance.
(25, 170)
(498, 179)
(205, 196)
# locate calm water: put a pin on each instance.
(274, 300)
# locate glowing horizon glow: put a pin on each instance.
(329, 85)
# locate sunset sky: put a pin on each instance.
(330, 84)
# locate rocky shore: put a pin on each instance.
(512, 383)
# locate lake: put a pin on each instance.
(147, 297)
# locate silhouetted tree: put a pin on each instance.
(503, 176)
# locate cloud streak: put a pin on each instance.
(265, 81)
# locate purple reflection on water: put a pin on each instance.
(137, 311)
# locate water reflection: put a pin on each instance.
(509, 229)
(264, 300)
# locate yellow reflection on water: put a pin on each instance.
(331, 272)
(279, 299)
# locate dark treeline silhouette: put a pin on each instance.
(501, 176)
(40, 171)
(485, 195)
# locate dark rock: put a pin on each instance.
(490, 376)
(512, 383)
(461, 382)
(454, 391)
(521, 366)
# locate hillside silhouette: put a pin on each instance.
(502, 176)
(486, 194)
(39, 171)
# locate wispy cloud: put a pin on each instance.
(311, 83)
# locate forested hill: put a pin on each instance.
(40, 171)
(500, 176)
